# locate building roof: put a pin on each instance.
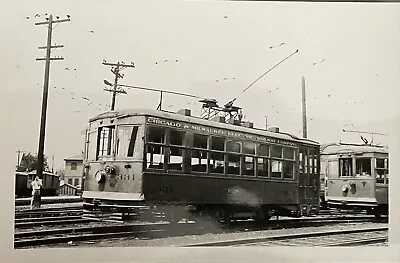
(74, 158)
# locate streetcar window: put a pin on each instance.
(363, 167)
(91, 145)
(233, 146)
(276, 151)
(156, 135)
(200, 141)
(155, 156)
(262, 167)
(381, 166)
(175, 159)
(263, 150)
(249, 148)
(248, 167)
(276, 169)
(288, 153)
(313, 160)
(217, 162)
(126, 140)
(199, 161)
(106, 141)
(217, 143)
(234, 164)
(176, 137)
(288, 170)
(301, 162)
(346, 167)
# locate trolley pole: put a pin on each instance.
(48, 48)
(116, 68)
(303, 85)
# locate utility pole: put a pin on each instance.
(52, 164)
(116, 68)
(303, 85)
(266, 122)
(48, 48)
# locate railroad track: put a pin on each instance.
(350, 237)
(87, 232)
(48, 217)
(79, 234)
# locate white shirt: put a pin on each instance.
(36, 184)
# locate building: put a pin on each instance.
(73, 170)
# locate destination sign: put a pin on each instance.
(215, 131)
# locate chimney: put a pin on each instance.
(184, 112)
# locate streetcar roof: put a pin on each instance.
(352, 148)
(193, 119)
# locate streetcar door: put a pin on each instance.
(309, 175)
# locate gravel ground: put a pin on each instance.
(193, 239)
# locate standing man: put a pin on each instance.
(36, 185)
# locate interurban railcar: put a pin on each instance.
(157, 158)
(356, 177)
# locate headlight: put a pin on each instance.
(345, 188)
(100, 176)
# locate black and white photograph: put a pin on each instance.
(200, 124)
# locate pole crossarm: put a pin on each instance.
(49, 59)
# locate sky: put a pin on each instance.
(348, 54)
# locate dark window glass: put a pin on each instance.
(70, 181)
(363, 167)
(176, 137)
(288, 153)
(248, 168)
(217, 162)
(106, 141)
(288, 169)
(276, 169)
(263, 150)
(346, 166)
(76, 181)
(234, 164)
(199, 161)
(217, 143)
(175, 159)
(155, 156)
(200, 141)
(249, 148)
(276, 151)
(262, 167)
(74, 166)
(233, 146)
(156, 135)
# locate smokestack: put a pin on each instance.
(303, 85)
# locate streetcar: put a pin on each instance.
(140, 160)
(356, 177)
